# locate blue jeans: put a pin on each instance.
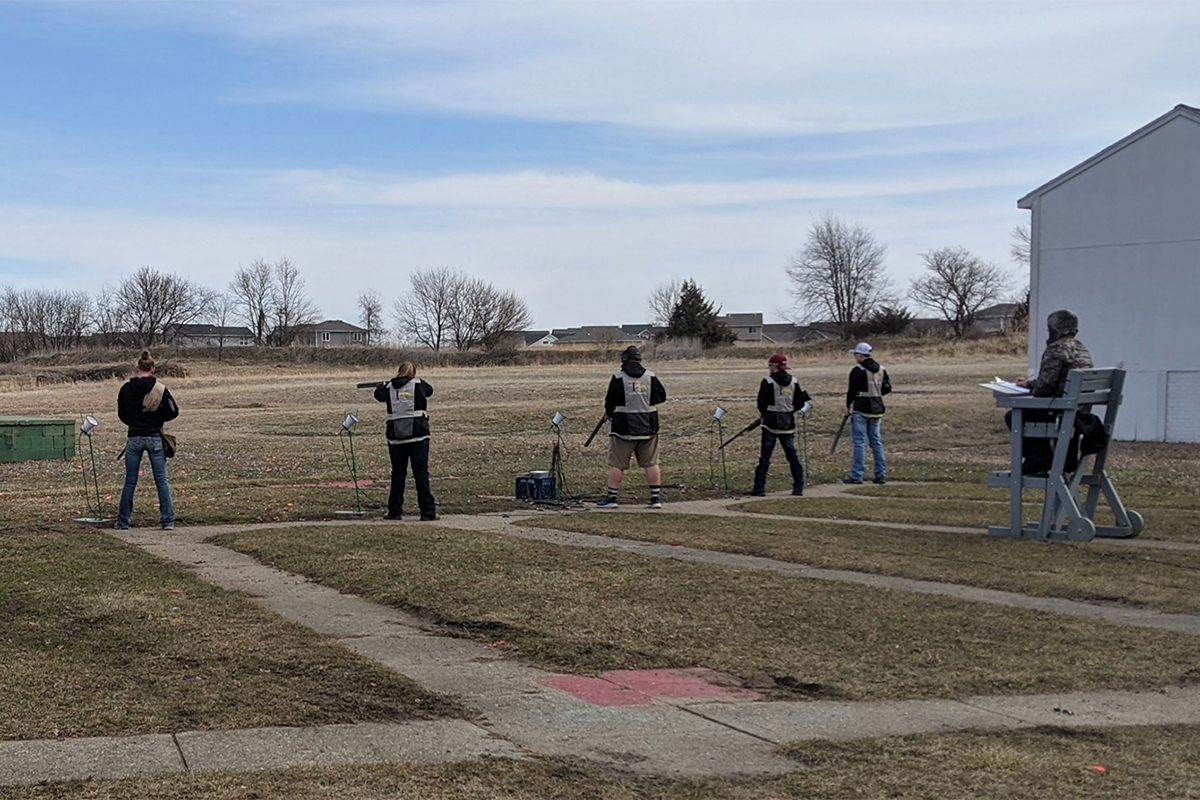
(134, 447)
(862, 430)
(416, 453)
(788, 441)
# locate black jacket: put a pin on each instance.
(616, 397)
(856, 394)
(129, 407)
(423, 390)
(777, 420)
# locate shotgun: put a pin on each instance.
(746, 429)
(837, 437)
(596, 430)
(369, 384)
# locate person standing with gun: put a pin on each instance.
(408, 439)
(780, 398)
(633, 392)
(864, 405)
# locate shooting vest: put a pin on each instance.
(780, 416)
(636, 419)
(873, 394)
(406, 423)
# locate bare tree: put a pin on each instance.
(839, 274)
(293, 309)
(957, 285)
(370, 314)
(251, 289)
(662, 302)
(1021, 245)
(150, 303)
(423, 315)
(448, 307)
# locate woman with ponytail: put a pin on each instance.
(144, 404)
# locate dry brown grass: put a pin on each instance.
(588, 610)
(99, 638)
(1147, 762)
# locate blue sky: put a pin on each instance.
(579, 153)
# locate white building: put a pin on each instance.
(1116, 239)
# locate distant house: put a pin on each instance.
(538, 338)
(331, 333)
(210, 336)
(996, 318)
(747, 327)
(1115, 240)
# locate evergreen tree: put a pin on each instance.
(695, 317)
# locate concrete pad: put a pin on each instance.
(363, 743)
(340, 615)
(596, 691)
(788, 722)
(88, 759)
(477, 680)
(427, 650)
(1167, 706)
(657, 738)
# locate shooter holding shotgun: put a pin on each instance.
(780, 398)
(633, 392)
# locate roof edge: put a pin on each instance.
(1180, 110)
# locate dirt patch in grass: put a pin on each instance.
(98, 638)
(586, 610)
(1071, 764)
(1164, 580)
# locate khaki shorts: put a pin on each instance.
(620, 450)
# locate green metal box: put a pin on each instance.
(34, 438)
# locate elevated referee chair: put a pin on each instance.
(1067, 512)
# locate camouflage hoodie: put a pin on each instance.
(1063, 353)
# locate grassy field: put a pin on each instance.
(98, 638)
(259, 444)
(584, 610)
(1164, 580)
(1065, 764)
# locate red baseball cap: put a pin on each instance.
(779, 360)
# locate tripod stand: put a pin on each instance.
(556, 459)
(716, 429)
(96, 511)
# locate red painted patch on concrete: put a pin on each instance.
(596, 691)
(677, 684)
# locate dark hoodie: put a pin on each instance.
(130, 411)
(766, 396)
(616, 396)
(1063, 353)
(856, 394)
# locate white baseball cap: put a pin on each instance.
(862, 349)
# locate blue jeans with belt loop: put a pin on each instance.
(134, 447)
(864, 429)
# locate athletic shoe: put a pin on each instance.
(170, 526)
(429, 517)
(880, 481)
(797, 493)
(851, 481)
(654, 504)
(394, 516)
(608, 502)
(758, 493)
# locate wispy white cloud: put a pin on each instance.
(739, 67)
